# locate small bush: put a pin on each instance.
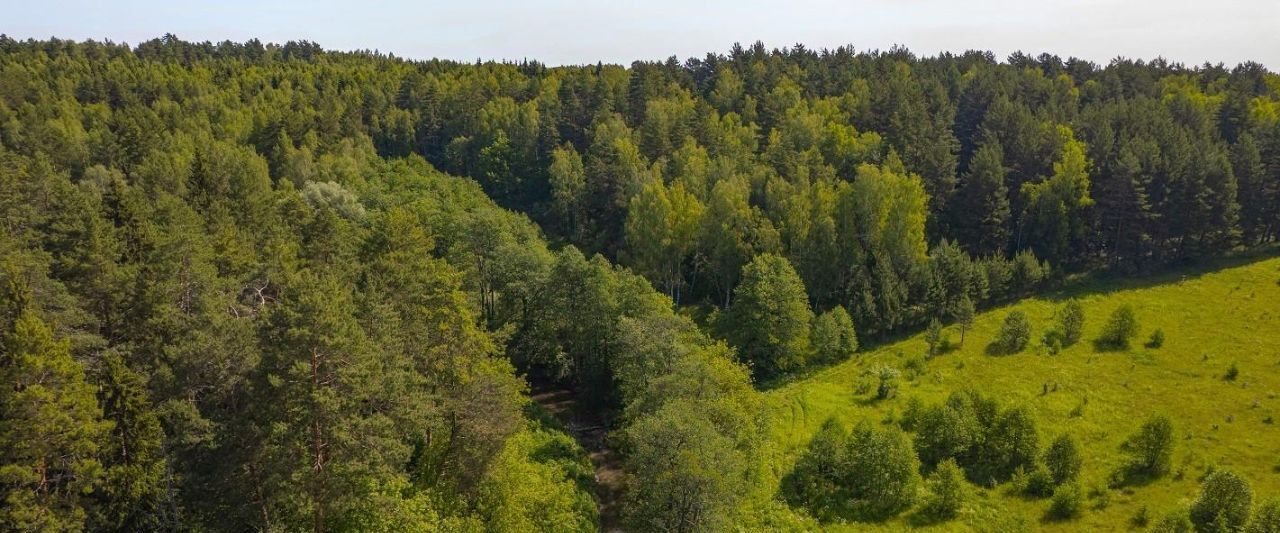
(1232, 373)
(832, 336)
(1101, 496)
(888, 387)
(1068, 325)
(913, 366)
(1142, 518)
(1038, 482)
(1028, 273)
(1151, 448)
(1062, 460)
(1266, 519)
(1014, 334)
(948, 491)
(911, 414)
(1052, 341)
(933, 336)
(1066, 502)
(1120, 328)
(1224, 502)
(1174, 522)
(1157, 339)
(868, 473)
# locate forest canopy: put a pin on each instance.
(260, 286)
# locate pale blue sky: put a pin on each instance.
(567, 31)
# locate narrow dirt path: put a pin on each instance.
(589, 430)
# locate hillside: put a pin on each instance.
(1212, 319)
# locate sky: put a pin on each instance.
(559, 32)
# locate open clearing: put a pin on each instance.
(1211, 319)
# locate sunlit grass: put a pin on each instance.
(1211, 320)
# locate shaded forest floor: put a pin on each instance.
(590, 431)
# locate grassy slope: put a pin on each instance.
(1210, 318)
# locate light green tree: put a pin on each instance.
(833, 337)
(661, 232)
(1053, 224)
(50, 431)
(770, 317)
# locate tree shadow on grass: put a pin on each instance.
(1108, 281)
(999, 349)
(1104, 282)
(926, 516)
(1109, 346)
(1132, 476)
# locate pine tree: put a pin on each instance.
(136, 497)
(980, 214)
(329, 434)
(51, 432)
(1246, 163)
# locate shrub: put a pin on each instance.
(1266, 519)
(1233, 372)
(814, 483)
(1224, 502)
(1174, 522)
(869, 473)
(1066, 502)
(1052, 341)
(1011, 443)
(1028, 272)
(1120, 328)
(1101, 496)
(946, 431)
(1014, 334)
(888, 387)
(1141, 518)
(948, 491)
(911, 414)
(990, 443)
(1070, 323)
(1039, 482)
(1062, 460)
(933, 336)
(1157, 339)
(882, 475)
(832, 336)
(1151, 448)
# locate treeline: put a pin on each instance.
(687, 171)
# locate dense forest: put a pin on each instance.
(249, 286)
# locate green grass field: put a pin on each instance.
(1212, 318)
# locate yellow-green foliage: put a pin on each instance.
(541, 481)
(1212, 317)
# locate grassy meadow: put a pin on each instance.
(1212, 318)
